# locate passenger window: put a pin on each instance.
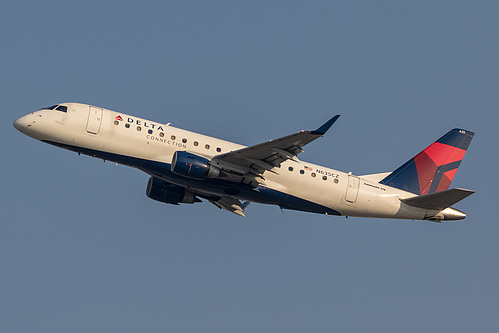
(161, 134)
(173, 137)
(302, 172)
(116, 122)
(290, 168)
(219, 149)
(149, 131)
(324, 177)
(196, 143)
(184, 140)
(139, 128)
(127, 125)
(207, 146)
(312, 174)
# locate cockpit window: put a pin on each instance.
(50, 107)
(61, 108)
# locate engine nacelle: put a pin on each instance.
(193, 166)
(162, 191)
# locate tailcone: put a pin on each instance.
(448, 214)
(453, 214)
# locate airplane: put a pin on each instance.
(187, 167)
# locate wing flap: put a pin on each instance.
(439, 200)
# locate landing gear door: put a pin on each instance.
(352, 189)
(94, 120)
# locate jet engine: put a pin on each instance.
(162, 191)
(193, 166)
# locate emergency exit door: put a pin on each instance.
(94, 120)
(352, 189)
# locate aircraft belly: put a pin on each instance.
(322, 198)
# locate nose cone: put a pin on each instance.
(20, 123)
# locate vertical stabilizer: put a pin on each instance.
(433, 169)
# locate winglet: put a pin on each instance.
(324, 128)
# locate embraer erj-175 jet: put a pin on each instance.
(186, 167)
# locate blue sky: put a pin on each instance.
(82, 248)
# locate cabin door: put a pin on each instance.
(94, 120)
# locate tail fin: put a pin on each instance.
(433, 169)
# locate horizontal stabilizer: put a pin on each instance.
(439, 200)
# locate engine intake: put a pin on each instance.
(162, 191)
(193, 166)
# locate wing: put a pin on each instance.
(266, 156)
(232, 205)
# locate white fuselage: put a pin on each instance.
(149, 146)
